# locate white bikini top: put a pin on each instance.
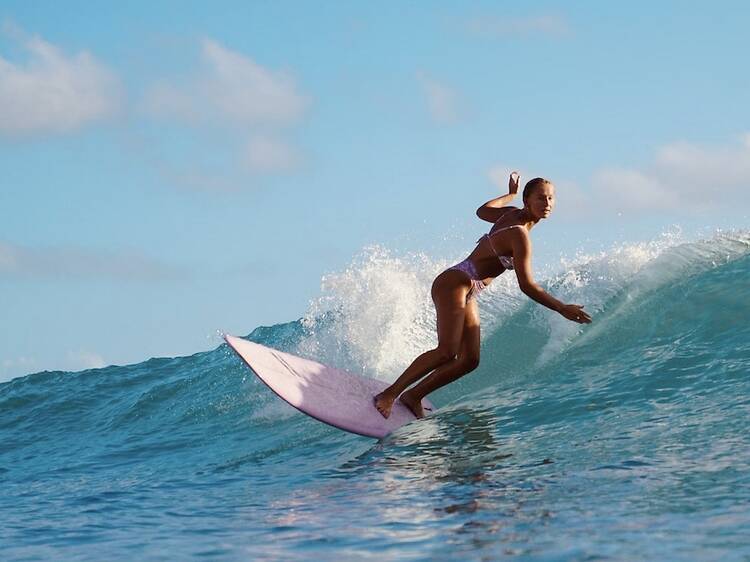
(505, 261)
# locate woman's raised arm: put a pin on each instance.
(493, 209)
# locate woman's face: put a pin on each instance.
(541, 201)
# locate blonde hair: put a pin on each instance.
(531, 185)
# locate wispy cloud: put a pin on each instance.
(63, 263)
(495, 27)
(231, 90)
(52, 92)
(442, 100)
(265, 154)
(681, 177)
(231, 87)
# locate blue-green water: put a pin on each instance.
(626, 439)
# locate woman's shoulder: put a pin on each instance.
(507, 210)
(514, 233)
(508, 215)
(507, 220)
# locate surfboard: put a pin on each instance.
(330, 395)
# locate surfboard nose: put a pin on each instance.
(333, 396)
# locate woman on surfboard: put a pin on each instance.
(454, 291)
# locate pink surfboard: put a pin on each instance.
(330, 395)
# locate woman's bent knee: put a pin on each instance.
(446, 353)
(470, 363)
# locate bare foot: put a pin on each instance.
(414, 405)
(384, 402)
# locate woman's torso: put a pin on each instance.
(493, 253)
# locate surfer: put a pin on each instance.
(454, 291)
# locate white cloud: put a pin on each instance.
(233, 88)
(493, 27)
(232, 91)
(269, 155)
(19, 262)
(52, 92)
(682, 176)
(442, 100)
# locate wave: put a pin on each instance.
(668, 316)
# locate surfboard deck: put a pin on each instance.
(330, 395)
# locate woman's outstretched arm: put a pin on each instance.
(493, 209)
(522, 265)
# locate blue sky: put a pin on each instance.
(171, 169)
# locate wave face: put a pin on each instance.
(625, 439)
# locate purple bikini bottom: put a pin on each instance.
(477, 285)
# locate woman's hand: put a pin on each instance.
(513, 182)
(575, 313)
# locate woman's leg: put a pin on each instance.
(449, 294)
(467, 361)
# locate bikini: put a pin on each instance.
(467, 266)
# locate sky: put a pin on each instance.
(172, 169)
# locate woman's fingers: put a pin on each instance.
(513, 181)
(579, 315)
(582, 316)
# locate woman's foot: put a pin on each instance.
(383, 403)
(413, 404)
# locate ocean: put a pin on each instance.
(628, 439)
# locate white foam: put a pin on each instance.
(629, 270)
(377, 315)
(382, 310)
(383, 314)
